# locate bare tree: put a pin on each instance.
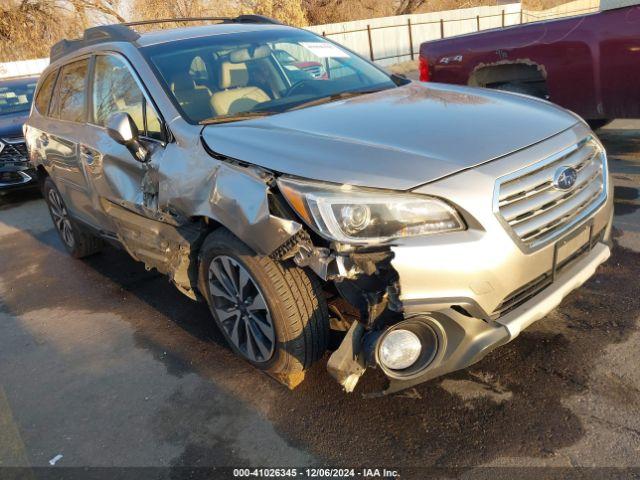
(334, 11)
(404, 7)
(288, 11)
(28, 28)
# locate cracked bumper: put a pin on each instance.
(466, 340)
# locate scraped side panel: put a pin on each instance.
(232, 194)
(169, 249)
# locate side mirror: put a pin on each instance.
(400, 79)
(122, 129)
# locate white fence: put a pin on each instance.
(23, 68)
(390, 40)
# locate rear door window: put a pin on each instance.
(71, 91)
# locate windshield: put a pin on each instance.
(16, 96)
(237, 76)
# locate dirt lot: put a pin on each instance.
(108, 365)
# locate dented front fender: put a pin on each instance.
(232, 194)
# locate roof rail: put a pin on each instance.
(122, 32)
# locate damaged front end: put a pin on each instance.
(348, 245)
(369, 284)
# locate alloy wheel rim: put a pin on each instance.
(61, 218)
(241, 309)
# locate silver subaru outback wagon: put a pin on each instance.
(307, 195)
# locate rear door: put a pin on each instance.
(68, 112)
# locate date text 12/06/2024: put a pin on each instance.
(315, 473)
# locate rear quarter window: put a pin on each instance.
(43, 98)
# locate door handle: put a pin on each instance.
(88, 155)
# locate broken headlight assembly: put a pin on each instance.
(353, 215)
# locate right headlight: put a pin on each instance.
(354, 215)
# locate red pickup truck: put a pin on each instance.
(589, 64)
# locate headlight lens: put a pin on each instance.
(365, 216)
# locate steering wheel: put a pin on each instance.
(306, 85)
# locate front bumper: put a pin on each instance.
(465, 340)
(15, 178)
(15, 170)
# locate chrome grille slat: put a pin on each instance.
(519, 187)
(535, 210)
(536, 204)
(557, 217)
(13, 153)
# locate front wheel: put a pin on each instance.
(272, 314)
(78, 242)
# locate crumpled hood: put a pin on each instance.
(11, 125)
(397, 139)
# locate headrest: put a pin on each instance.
(182, 82)
(233, 75)
(242, 55)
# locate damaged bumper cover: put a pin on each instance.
(469, 339)
(462, 340)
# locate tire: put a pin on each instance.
(76, 240)
(294, 302)
(599, 123)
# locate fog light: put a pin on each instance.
(399, 349)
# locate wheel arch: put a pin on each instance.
(516, 71)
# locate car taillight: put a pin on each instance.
(424, 69)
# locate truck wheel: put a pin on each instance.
(599, 123)
(272, 314)
(78, 242)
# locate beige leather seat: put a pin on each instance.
(235, 96)
(194, 100)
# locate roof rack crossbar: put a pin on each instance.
(238, 19)
(122, 32)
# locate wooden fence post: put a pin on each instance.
(410, 39)
(503, 18)
(370, 42)
(478, 22)
(441, 28)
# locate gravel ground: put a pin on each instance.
(108, 365)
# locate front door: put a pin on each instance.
(123, 188)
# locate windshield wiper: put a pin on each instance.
(235, 117)
(333, 98)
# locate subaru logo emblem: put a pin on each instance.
(565, 178)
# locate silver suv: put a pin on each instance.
(308, 195)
